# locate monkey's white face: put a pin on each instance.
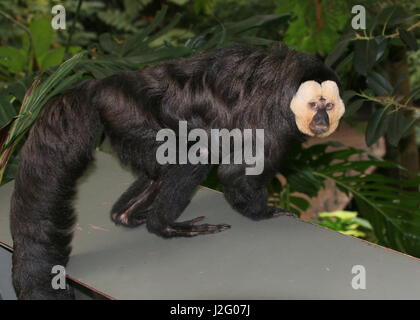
(317, 108)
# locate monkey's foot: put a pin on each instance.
(190, 229)
(129, 219)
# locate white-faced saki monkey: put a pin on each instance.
(289, 94)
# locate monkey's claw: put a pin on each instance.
(190, 229)
(192, 221)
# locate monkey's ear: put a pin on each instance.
(309, 91)
(331, 93)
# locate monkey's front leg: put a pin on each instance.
(248, 194)
(177, 185)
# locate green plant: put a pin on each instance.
(316, 25)
(125, 19)
(364, 59)
(391, 205)
(37, 51)
(364, 56)
(345, 222)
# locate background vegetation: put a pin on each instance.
(379, 68)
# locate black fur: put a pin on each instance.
(234, 87)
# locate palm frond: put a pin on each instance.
(391, 205)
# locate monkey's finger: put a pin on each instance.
(192, 221)
(195, 230)
(210, 228)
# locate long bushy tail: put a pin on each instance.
(56, 153)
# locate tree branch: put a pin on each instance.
(392, 35)
(390, 100)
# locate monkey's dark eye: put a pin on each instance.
(329, 106)
(312, 105)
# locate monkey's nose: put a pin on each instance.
(320, 122)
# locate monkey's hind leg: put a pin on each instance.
(132, 208)
(178, 185)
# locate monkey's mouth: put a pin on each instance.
(318, 129)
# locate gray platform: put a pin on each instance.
(277, 259)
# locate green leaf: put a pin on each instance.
(13, 59)
(17, 89)
(396, 129)
(340, 214)
(42, 35)
(378, 83)
(409, 39)
(138, 40)
(256, 21)
(73, 50)
(382, 45)
(363, 223)
(392, 15)
(120, 20)
(107, 43)
(410, 124)
(52, 58)
(353, 108)
(7, 111)
(172, 37)
(64, 84)
(299, 202)
(168, 29)
(305, 181)
(412, 95)
(338, 51)
(348, 94)
(376, 126)
(365, 53)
